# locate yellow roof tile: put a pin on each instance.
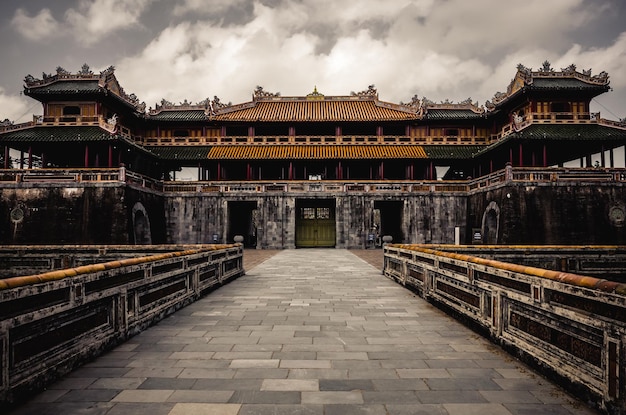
(309, 110)
(302, 152)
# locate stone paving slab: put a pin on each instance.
(309, 331)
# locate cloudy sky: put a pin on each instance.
(194, 49)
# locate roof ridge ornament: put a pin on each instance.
(525, 76)
(466, 104)
(415, 105)
(260, 93)
(315, 95)
(369, 92)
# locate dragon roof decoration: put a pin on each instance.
(526, 76)
(106, 80)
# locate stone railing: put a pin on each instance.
(601, 261)
(59, 175)
(571, 327)
(497, 178)
(52, 322)
(317, 186)
(78, 175)
(548, 175)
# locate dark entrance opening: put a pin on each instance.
(242, 221)
(315, 223)
(390, 218)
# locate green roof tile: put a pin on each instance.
(565, 132)
(565, 83)
(452, 151)
(180, 152)
(570, 132)
(179, 115)
(451, 114)
(55, 134)
(65, 87)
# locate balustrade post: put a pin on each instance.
(508, 172)
(122, 173)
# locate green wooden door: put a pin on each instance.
(315, 226)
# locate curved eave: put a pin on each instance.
(565, 132)
(65, 134)
(591, 90)
(64, 89)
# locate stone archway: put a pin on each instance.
(491, 224)
(141, 225)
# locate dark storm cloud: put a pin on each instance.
(193, 49)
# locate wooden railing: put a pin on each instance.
(571, 326)
(51, 323)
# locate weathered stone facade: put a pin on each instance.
(513, 210)
(196, 218)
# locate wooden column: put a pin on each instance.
(602, 158)
(6, 157)
(86, 155)
(30, 157)
(521, 154)
(219, 171)
(110, 163)
(545, 156)
(291, 170)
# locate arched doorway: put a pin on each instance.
(491, 224)
(141, 225)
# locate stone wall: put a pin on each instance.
(63, 214)
(196, 217)
(591, 213)
(563, 207)
(80, 213)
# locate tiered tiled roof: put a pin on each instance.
(350, 108)
(547, 78)
(301, 152)
(84, 81)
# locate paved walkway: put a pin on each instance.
(310, 332)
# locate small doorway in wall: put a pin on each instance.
(315, 223)
(242, 220)
(391, 213)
